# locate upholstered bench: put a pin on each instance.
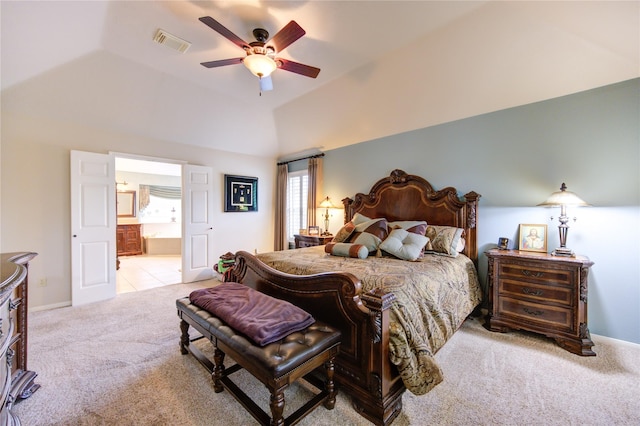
(276, 364)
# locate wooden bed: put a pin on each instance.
(363, 368)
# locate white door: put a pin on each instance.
(197, 219)
(93, 225)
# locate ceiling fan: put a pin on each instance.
(261, 55)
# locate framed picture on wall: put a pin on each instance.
(533, 238)
(240, 193)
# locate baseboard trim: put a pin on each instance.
(615, 341)
(49, 307)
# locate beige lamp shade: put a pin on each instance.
(326, 204)
(563, 198)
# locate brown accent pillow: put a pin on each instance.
(344, 233)
(443, 239)
(415, 226)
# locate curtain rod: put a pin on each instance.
(298, 159)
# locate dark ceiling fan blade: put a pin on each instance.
(222, 62)
(287, 35)
(298, 68)
(218, 27)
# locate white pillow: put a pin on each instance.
(403, 244)
(358, 218)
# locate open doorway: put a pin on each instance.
(149, 223)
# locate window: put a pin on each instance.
(297, 190)
(160, 204)
(161, 210)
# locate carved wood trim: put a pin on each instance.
(402, 196)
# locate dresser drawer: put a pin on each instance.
(543, 315)
(537, 292)
(537, 272)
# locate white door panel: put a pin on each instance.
(198, 258)
(93, 223)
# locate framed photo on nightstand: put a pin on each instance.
(533, 238)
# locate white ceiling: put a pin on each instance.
(387, 66)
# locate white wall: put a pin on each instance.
(36, 195)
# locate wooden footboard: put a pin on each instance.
(363, 369)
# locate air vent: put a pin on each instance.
(171, 41)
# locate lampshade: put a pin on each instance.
(326, 204)
(260, 65)
(563, 197)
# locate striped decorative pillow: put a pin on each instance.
(347, 250)
(415, 226)
(370, 234)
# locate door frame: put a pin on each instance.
(205, 270)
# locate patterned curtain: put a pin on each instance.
(143, 197)
(144, 191)
(171, 192)
(280, 234)
(315, 165)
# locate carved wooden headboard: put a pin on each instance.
(401, 196)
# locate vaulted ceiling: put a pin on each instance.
(386, 66)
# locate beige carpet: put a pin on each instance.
(118, 363)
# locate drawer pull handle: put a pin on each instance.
(532, 273)
(530, 312)
(531, 292)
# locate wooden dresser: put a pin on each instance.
(541, 293)
(16, 381)
(128, 239)
(311, 240)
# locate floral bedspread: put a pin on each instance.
(434, 295)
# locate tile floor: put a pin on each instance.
(145, 272)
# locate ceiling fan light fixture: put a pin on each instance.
(260, 65)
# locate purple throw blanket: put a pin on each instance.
(262, 318)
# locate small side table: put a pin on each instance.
(541, 293)
(311, 240)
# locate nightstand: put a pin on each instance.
(541, 293)
(311, 240)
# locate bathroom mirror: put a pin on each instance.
(126, 203)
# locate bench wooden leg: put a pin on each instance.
(277, 407)
(330, 387)
(184, 337)
(218, 370)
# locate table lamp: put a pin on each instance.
(326, 204)
(563, 198)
